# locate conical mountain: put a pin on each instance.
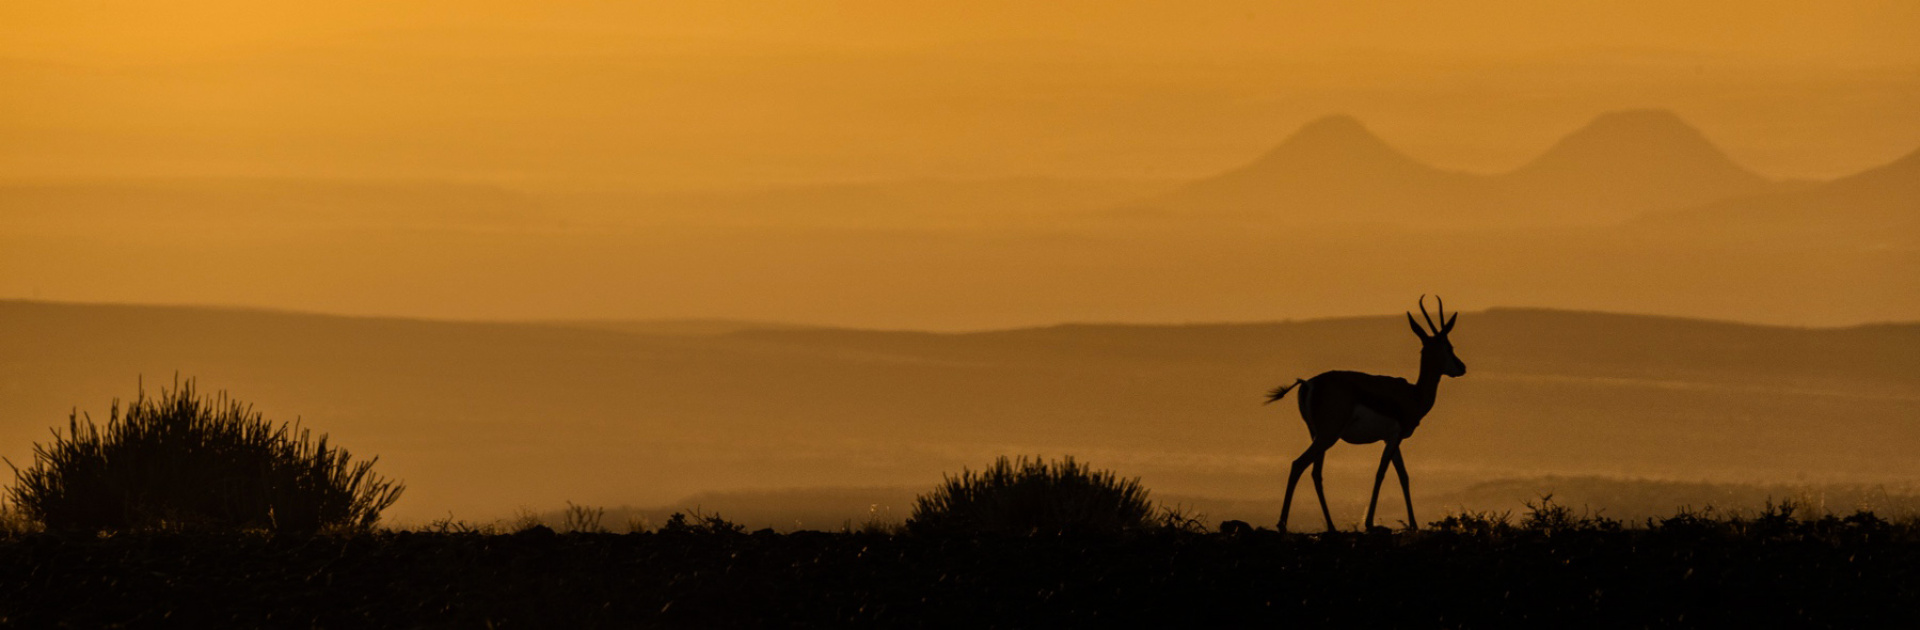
(1334, 144)
(1333, 169)
(1629, 162)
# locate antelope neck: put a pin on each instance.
(1429, 384)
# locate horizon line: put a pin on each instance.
(751, 324)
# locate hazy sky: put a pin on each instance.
(690, 95)
(506, 156)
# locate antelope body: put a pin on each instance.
(1361, 408)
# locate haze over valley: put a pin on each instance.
(481, 419)
(1634, 212)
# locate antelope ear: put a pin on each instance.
(1422, 332)
(1448, 327)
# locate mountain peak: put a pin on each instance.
(1651, 119)
(1333, 168)
(1334, 143)
(1333, 126)
(1643, 132)
(1633, 161)
(1333, 137)
(1618, 165)
(1639, 140)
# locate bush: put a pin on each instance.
(700, 525)
(581, 519)
(1026, 497)
(183, 460)
(1481, 524)
(1549, 517)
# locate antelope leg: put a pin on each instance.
(1320, 489)
(1300, 465)
(1386, 457)
(1400, 466)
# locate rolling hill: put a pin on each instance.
(1876, 209)
(482, 418)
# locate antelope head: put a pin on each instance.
(1436, 352)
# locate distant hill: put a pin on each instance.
(671, 327)
(1334, 170)
(482, 418)
(1875, 209)
(1630, 161)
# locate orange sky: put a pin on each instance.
(721, 94)
(501, 160)
(1870, 32)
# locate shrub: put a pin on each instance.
(700, 524)
(581, 519)
(1029, 496)
(183, 460)
(878, 523)
(1483, 524)
(1549, 517)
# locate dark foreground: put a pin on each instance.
(1853, 572)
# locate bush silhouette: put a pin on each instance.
(1029, 496)
(699, 524)
(187, 461)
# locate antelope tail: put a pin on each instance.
(1281, 391)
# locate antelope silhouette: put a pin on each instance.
(1362, 408)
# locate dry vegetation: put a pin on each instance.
(1547, 564)
(184, 460)
(981, 548)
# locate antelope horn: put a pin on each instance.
(1446, 324)
(1423, 313)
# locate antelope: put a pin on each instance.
(1364, 408)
